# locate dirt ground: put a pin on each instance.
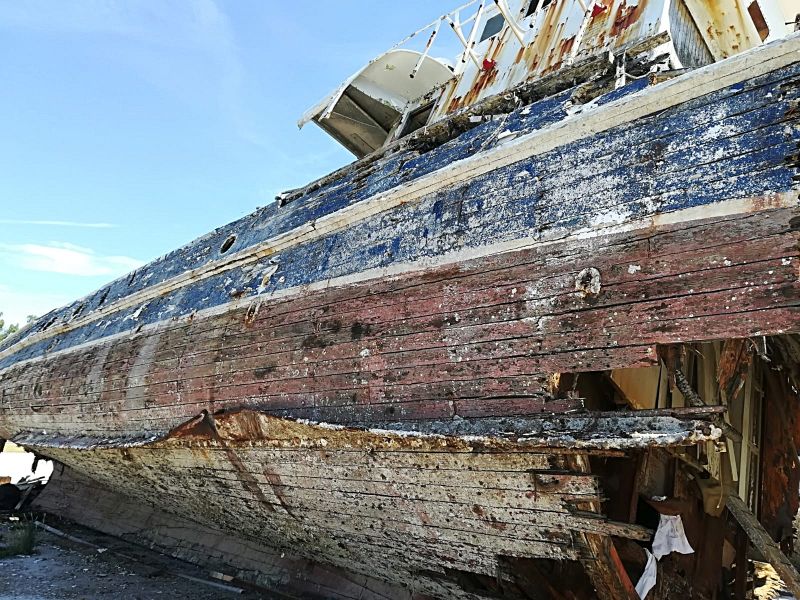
(107, 567)
(65, 570)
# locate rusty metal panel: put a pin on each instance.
(728, 29)
(554, 37)
(549, 41)
(617, 23)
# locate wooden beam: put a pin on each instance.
(606, 571)
(764, 543)
(740, 577)
(602, 563)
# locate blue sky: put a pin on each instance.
(131, 127)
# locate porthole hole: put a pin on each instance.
(226, 245)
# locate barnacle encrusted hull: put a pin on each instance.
(457, 326)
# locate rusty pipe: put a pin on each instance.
(468, 44)
(428, 46)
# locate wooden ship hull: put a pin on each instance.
(463, 367)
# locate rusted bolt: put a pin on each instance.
(587, 283)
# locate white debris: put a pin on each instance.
(671, 537)
(648, 578)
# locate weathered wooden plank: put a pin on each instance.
(451, 512)
(233, 342)
(609, 105)
(82, 499)
(764, 543)
(220, 507)
(723, 255)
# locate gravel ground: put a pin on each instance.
(65, 570)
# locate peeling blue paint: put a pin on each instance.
(730, 143)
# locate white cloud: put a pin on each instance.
(57, 223)
(67, 259)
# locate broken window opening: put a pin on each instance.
(758, 20)
(535, 5)
(493, 27)
(417, 119)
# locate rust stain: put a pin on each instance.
(627, 16)
(733, 363)
(566, 47)
(485, 78)
(204, 427)
(613, 26)
(490, 520)
(277, 486)
(546, 40)
(520, 54)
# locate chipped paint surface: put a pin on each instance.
(555, 37)
(381, 365)
(551, 201)
(390, 504)
(476, 341)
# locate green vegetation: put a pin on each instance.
(7, 330)
(20, 540)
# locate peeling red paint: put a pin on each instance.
(626, 16)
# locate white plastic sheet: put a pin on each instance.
(648, 578)
(670, 537)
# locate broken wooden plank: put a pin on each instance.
(762, 542)
(602, 562)
(607, 571)
(694, 399)
(583, 431)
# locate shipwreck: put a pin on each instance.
(540, 340)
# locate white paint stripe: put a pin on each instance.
(700, 82)
(718, 210)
